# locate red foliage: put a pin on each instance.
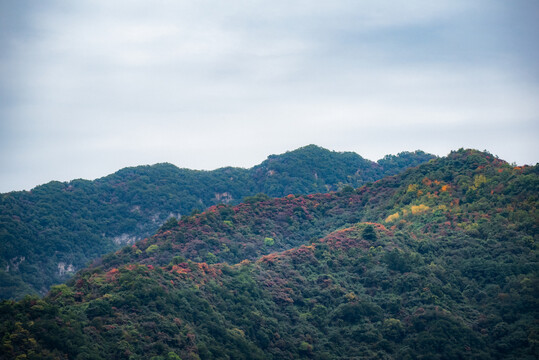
(180, 270)
(112, 274)
(79, 283)
(270, 259)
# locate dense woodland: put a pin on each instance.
(50, 232)
(438, 262)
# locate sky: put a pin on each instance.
(89, 87)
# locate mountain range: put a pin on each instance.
(439, 261)
(50, 232)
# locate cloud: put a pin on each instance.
(89, 87)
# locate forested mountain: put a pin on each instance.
(48, 233)
(438, 262)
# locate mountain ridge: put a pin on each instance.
(437, 262)
(48, 233)
(303, 212)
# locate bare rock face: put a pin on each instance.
(65, 269)
(15, 262)
(224, 197)
(124, 239)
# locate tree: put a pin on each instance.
(368, 233)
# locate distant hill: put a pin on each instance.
(438, 262)
(50, 232)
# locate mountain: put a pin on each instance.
(50, 232)
(438, 262)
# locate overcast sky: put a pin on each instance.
(89, 87)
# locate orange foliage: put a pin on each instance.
(271, 258)
(112, 274)
(427, 182)
(183, 270)
(208, 270)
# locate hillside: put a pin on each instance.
(50, 232)
(439, 262)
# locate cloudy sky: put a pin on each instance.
(89, 87)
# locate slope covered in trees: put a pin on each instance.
(48, 233)
(439, 262)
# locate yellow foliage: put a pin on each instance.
(236, 332)
(351, 296)
(417, 209)
(478, 181)
(412, 187)
(444, 188)
(392, 217)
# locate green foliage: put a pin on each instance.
(454, 277)
(52, 231)
(368, 233)
(211, 258)
(401, 261)
(151, 249)
(169, 224)
(256, 198)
